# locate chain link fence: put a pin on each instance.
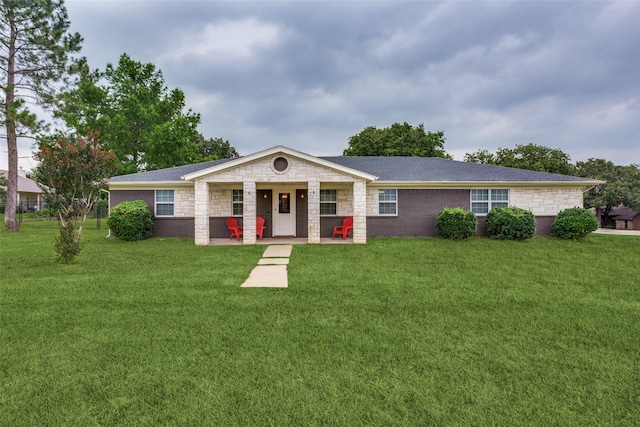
(32, 211)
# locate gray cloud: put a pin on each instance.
(310, 74)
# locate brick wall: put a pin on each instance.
(173, 227)
(543, 225)
(119, 196)
(417, 211)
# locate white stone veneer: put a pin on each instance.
(372, 201)
(184, 205)
(261, 171)
(221, 201)
(545, 201)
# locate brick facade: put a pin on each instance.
(417, 211)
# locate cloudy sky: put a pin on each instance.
(309, 74)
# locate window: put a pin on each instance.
(482, 201)
(328, 202)
(281, 164)
(388, 202)
(236, 201)
(164, 202)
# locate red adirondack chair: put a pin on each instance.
(259, 226)
(345, 229)
(233, 226)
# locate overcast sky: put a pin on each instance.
(308, 75)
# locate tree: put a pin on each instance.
(36, 51)
(215, 148)
(397, 140)
(71, 173)
(530, 156)
(484, 157)
(622, 186)
(137, 116)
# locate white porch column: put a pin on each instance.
(201, 213)
(313, 212)
(249, 199)
(359, 212)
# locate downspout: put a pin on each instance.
(109, 210)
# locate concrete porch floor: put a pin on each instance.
(281, 241)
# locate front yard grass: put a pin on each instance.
(395, 332)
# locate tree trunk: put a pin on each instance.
(10, 222)
(605, 215)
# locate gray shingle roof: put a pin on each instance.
(409, 169)
(434, 169)
(167, 175)
(623, 212)
(25, 185)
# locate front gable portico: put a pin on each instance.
(283, 183)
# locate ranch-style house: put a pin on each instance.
(305, 196)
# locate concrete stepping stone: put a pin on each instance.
(271, 271)
(273, 261)
(278, 251)
(267, 276)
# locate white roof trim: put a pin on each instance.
(275, 150)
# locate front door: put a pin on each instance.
(284, 212)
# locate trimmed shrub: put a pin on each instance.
(131, 221)
(510, 223)
(574, 223)
(456, 223)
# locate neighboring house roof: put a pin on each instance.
(624, 213)
(25, 185)
(391, 170)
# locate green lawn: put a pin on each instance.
(395, 332)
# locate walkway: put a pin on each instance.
(271, 271)
(617, 231)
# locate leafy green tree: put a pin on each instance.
(622, 186)
(530, 156)
(397, 140)
(137, 116)
(484, 157)
(71, 173)
(35, 54)
(215, 148)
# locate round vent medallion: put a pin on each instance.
(280, 164)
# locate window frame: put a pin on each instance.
(329, 202)
(382, 193)
(165, 203)
(494, 198)
(235, 203)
